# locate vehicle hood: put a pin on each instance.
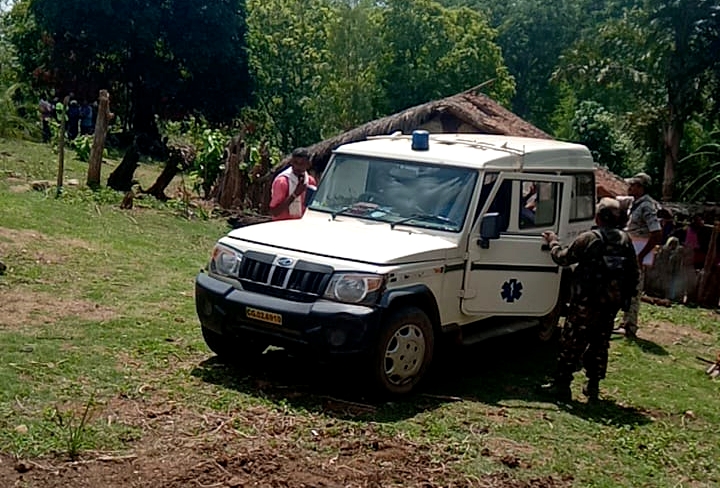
(349, 238)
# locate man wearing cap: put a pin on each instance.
(645, 231)
(602, 283)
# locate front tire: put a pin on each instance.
(403, 352)
(548, 329)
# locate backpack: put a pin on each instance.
(607, 276)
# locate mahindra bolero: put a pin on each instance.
(407, 238)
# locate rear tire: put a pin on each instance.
(404, 351)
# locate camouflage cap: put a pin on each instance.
(609, 208)
(642, 179)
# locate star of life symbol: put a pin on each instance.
(511, 290)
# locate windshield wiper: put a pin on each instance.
(425, 217)
(337, 212)
(359, 209)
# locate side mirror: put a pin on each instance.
(489, 229)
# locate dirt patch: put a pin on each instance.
(39, 247)
(668, 334)
(19, 188)
(30, 308)
(256, 446)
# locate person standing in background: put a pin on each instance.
(46, 113)
(73, 122)
(86, 119)
(289, 189)
(645, 230)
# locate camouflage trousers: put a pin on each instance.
(585, 341)
(630, 318)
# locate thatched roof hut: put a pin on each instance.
(466, 112)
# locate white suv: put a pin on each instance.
(406, 238)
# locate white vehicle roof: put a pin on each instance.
(479, 151)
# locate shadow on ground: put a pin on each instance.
(493, 373)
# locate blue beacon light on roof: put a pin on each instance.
(420, 140)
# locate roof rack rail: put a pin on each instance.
(467, 142)
(485, 145)
(395, 135)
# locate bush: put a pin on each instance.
(82, 146)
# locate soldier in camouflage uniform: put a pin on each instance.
(603, 282)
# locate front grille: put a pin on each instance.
(310, 282)
(254, 270)
(301, 281)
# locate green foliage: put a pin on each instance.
(209, 143)
(179, 55)
(73, 430)
(326, 66)
(651, 65)
(433, 52)
(101, 196)
(12, 124)
(351, 93)
(289, 62)
(83, 145)
(594, 127)
(701, 170)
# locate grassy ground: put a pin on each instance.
(97, 315)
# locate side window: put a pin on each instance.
(502, 202)
(583, 197)
(538, 204)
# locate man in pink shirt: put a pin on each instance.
(289, 189)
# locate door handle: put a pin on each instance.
(545, 247)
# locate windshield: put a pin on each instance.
(397, 192)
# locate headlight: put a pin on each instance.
(225, 261)
(353, 288)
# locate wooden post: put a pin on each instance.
(62, 118)
(101, 126)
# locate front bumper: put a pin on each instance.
(323, 326)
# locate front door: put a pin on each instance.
(516, 275)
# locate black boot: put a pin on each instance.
(592, 390)
(559, 389)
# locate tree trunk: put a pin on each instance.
(143, 121)
(121, 179)
(101, 126)
(180, 158)
(671, 140)
(259, 188)
(228, 191)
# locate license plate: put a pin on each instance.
(263, 316)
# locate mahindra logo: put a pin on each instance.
(285, 262)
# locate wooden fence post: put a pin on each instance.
(61, 146)
(101, 126)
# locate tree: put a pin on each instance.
(289, 61)
(433, 52)
(655, 60)
(351, 92)
(176, 53)
(532, 35)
